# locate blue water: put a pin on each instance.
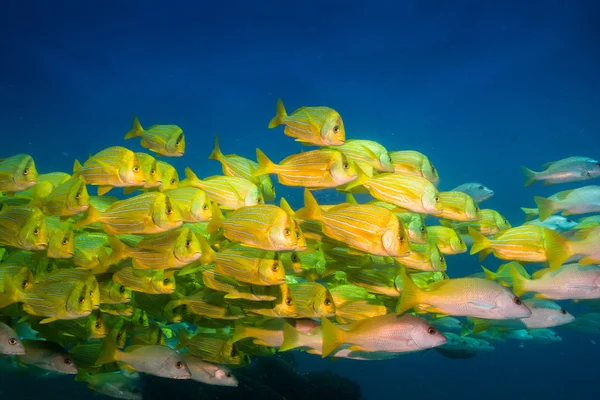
(481, 88)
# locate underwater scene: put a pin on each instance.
(299, 200)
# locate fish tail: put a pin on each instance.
(558, 249)
(216, 220)
(530, 176)
(76, 166)
(465, 330)
(183, 341)
(108, 353)
(351, 199)
(410, 295)
(216, 153)
(519, 282)
(91, 215)
(480, 325)
(265, 165)
(546, 207)
(192, 178)
(11, 294)
(240, 331)
(311, 210)
(290, 338)
(361, 178)
(333, 337)
(119, 251)
(480, 242)
(530, 213)
(82, 376)
(208, 254)
(136, 130)
(492, 276)
(279, 114)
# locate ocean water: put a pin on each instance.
(480, 87)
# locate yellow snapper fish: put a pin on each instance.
(90, 249)
(146, 213)
(283, 306)
(470, 297)
(269, 333)
(571, 281)
(316, 169)
(389, 333)
(313, 300)
(423, 257)
(193, 203)
(491, 223)
(320, 126)
(88, 278)
(68, 199)
(265, 227)
(254, 266)
(169, 250)
(169, 176)
(414, 224)
(61, 243)
(378, 281)
(166, 140)
(365, 227)
(235, 290)
(446, 240)
(577, 201)
(414, 163)
(111, 167)
(234, 165)
(113, 293)
(409, 192)
(201, 304)
(45, 184)
(17, 173)
(525, 243)
(369, 155)
(21, 280)
(215, 348)
(458, 206)
(230, 192)
(152, 282)
(503, 274)
(357, 310)
(23, 227)
(149, 167)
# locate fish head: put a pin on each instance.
(170, 365)
(139, 319)
(201, 208)
(285, 237)
(176, 144)
(385, 162)
(395, 239)
(34, 234)
(332, 131)
(436, 258)
(431, 201)
(78, 198)
(118, 333)
(79, 301)
(285, 304)
(501, 222)
(169, 176)
(301, 244)
(152, 174)
(422, 334)
(164, 282)
(593, 171)
(415, 228)
(472, 211)
(187, 247)
(95, 326)
(343, 170)
(165, 213)
(10, 344)
(93, 291)
(507, 304)
(175, 310)
(561, 224)
(429, 172)
(480, 192)
(458, 244)
(119, 293)
(63, 363)
(223, 376)
(324, 304)
(561, 317)
(61, 244)
(131, 171)
(23, 280)
(25, 174)
(254, 197)
(271, 270)
(266, 187)
(292, 262)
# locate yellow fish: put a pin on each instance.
(321, 126)
(61, 243)
(414, 163)
(166, 140)
(458, 206)
(316, 169)
(193, 203)
(17, 173)
(149, 167)
(446, 240)
(365, 227)
(68, 199)
(146, 213)
(152, 282)
(313, 300)
(369, 155)
(23, 227)
(90, 249)
(357, 310)
(234, 289)
(378, 281)
(230, 192)
(211, 306)
(414, 223)
(111, 167)
(168, 175)
(491, 223)
(525, 243)
(234, 165)
(424, 257)
(45, 184)
(113, 293)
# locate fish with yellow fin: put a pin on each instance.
(166, 140)
(414, 163)
(23, 227)
(17, 173)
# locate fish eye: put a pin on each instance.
(275, 268)
(141, 320)
(26, 171)
(166, 281)
(12, 341)
(228, 374)
(81, 300)
(422, 229)
(563, 311)
(431, 330)
(98, 325)
(179, 139)
(49, 268)
(188, 243)
(178, 365)
(136, 168)
(506, 222)
(401, 238)
(36, 231)
(78, 196)
(517, 301)
(294, 257)
(65, 242)
(169, 210)
(119, 336)
(68, 361)
(437, 199)
(346, 165)
(122, 289)
(441, 259)
(205, 206)
(336, 129)
(272, 187)
(286, 232)
(433, 169)
(24, 283)
(390, 158)
(568, 221)
(476, 209)
(258, 201)
(480, 188)
(327, 302)
(152, 172)
(288, 301)
(460, 241)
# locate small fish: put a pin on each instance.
(111, 167)
(378, 281)
(10, 344)
(415, 163)
(90, 249)
(571, 169)
(234, 165)
(414, 224)
(447, 324)
(193, 203)
(312, 299)
(357, 310)
(557, 223)
(230, 192)
(149, 167)
(369, 155)
(544, 335)
(477, 191)
(491, 223)
(166, 140)
(62, 242)
(113, 293)
(154, 360)
(169, 176)
(321, 126)
(17, 173)
(458, 206)
(153, 282)
(446, 240)
(504, 273)
(112, 384)
(268, 334)
(423, 257)
(68, 199)
(577, 201)
(211, 306)
(48, 356)
(212, 348)
(316, 169)
(23, 227)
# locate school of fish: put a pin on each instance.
(190, 278)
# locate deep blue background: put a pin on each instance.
(480, 87)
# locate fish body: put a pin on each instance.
(48, 356)
(166, 140)
(490, 223)
(193, 203)
(152, 282)
(476, 190)
(571, 169)
(582, 200)
(67, 199)
(458, 206)
(414, 163)
(369, 155)
(23, 227)
(446, 240)
(557, 223)
(17, 173)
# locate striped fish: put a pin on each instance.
(69, 198)
(234, 165)
(166, 140)
(23, 227)
(214, 348)
(269, 334)
(61, 243)
(111, 167)
(17, 173)
(414, 163)
(44, 185)
(368, 152)
(146, 213)
(423, 257)
(321, 126)
(414, 223)
(230, 192)
(169, 176)
(149, 167)
(317, 169)
(283, 306)
(342, 294)
(409, 192)
(90, 249)
(245, 264)
(66, 299)
(211, 306)
(151, 335)
(365, 227)
(91, 283)
(458, 206)
(312, 300)
(113, 293)
(19, 274)
(192, 202)
(357, 310)
(152, 282)
(491, 223)
(377, 281)
(446, 240)
(234, 290)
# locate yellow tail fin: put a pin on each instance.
(91, 215)
(492, 276)
(216, 220)
(265, 165)
(216, 153)
(290, 338)
(480, 242)
(136, 130)
(519, 282)
(333, 337)
(361, 178)
(530, 213)
(279, 114)
(208, 254)
(311, 210)
(410, 295)
(530, 176)
(108, 353)
(480, 325)
(240, 332)
(558, 249)
(546, 207)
